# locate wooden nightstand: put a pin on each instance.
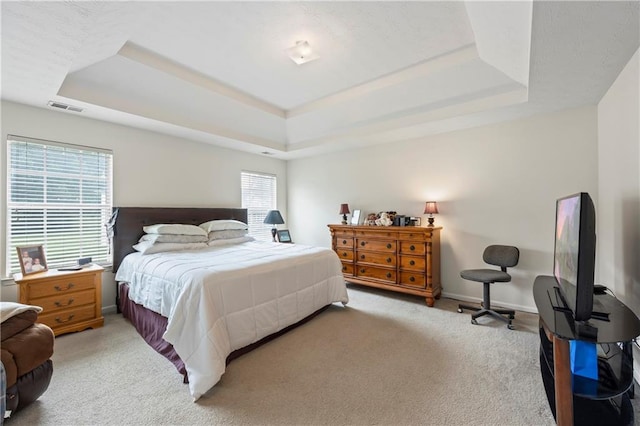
(71, 300)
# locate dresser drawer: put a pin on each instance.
(411, 247)
(61, 285)
(388, 246)
(340, 233)
(413, 263)
(412, 279)
(344, 242)
(68, 316)
(413, 236)
(376, 273)
(347, 268)
(67, 300)
(391, 235)
(345, 254)
(388, 259)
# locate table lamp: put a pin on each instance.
(344, 211)
(430, 208)
(274, 218)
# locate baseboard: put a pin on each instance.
(111, 309)
(464, 298)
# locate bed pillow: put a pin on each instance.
(223, 225)
(173, 238)
(213, 243)
(226, 234)
(150, 247)
(174, 229)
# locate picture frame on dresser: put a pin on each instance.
(355, 217)
(32, 259)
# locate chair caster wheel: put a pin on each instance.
(459, 310)
(474, 322)
(510, 326)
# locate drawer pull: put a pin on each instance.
(362, 271)
(362, 244)
(344, 268)
(412, 279)
(362, 256)
(344, 241)
(388, 274)
(388, 260)
(412, 248)
(59, 321)
(344, 254)
(389, 245)
(69, 287)
(413, 262)
(59, 305)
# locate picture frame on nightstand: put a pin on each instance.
(284, 236)
(32, 259)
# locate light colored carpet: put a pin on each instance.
(385, 359)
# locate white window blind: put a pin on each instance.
(59, 196)
(258, 197)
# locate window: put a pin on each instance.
(59, 196)
(258, 197)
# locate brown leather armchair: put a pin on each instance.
(25, 348)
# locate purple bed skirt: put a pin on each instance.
(151, 326)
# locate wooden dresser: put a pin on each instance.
(398, 258)
(71, 300)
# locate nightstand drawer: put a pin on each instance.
(68, 316)
(64, 301)
(61, 285)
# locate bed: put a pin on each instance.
(201, 308)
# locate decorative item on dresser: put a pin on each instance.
(397, 258)
(430, 208)
(71, 300)
(344, 211)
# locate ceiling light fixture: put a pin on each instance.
(301, 53)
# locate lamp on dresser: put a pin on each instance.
(274, 218)
(344, 211)
(430, 208)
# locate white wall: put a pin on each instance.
(149, 169)
(493, 184)
(618, 211)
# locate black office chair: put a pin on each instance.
(504, 257)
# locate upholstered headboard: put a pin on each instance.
(125, 226)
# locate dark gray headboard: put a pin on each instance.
(125, 226)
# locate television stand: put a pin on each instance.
(605, 401)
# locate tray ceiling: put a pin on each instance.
(218, 72)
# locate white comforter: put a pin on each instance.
(220, 299)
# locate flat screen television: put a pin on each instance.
(575, 253)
